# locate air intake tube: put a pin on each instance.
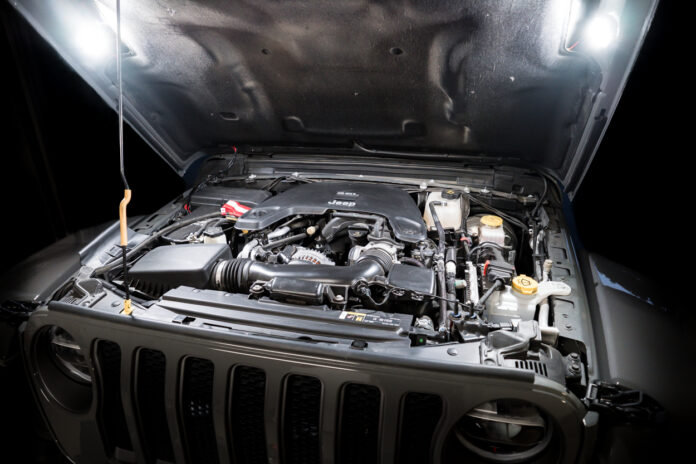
(238, 275)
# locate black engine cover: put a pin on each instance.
(317, 198)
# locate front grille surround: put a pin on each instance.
(459, 387)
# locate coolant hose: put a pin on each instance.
(238, 275)
(438, 226)
(411, 261)
(480, 304)
(442, 292)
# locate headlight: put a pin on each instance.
(63, 368)
(67, 355)
(505, 430)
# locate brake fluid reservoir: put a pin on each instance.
(491, 230)
(451, 211)
(519, 301)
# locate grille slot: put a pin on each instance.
(150, 288)
(419, 417)
(301, 420)
(111, 414)
(149, 391)
(197, 410)
(359, 431)
(537, 367)
(247, 415)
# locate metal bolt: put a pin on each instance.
(115, 303)
(452, 351)
(256, 288)
(339, 298)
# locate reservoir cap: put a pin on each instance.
(525, 284)
(491, 221)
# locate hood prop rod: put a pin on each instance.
(122, 217)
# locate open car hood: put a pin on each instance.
(532, 82)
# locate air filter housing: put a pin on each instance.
(174, 265)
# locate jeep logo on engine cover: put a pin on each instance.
(349, 204)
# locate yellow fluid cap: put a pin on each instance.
(491, 221)
(525, 285)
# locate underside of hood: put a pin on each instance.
(524, 81)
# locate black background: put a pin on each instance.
(59, 165)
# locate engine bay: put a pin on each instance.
(425, 263)
(438, 255)
(354, 246)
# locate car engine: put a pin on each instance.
(458, 267)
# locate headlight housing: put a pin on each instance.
(68, 356)
(505, 430)
(64, 368)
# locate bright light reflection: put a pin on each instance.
(94, 41)
(601, 31)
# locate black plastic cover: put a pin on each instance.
(296, 290)
(317, 198)
(218, 196)
(176, 265)
(415, 279)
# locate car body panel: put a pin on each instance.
(642, 341)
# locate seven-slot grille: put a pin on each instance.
(300, 409)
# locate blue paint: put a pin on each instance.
(607, 282)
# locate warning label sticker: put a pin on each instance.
(365, 318)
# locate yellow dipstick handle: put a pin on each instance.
(123, 223)
(122, 219)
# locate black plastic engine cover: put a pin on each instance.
(218, 196)
(317, 198)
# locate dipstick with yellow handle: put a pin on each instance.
(123, 223)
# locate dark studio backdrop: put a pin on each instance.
(59, 153)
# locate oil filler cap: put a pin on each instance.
(525, 284)
(491, 221)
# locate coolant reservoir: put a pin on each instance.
(451, 212)
(520, 300)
